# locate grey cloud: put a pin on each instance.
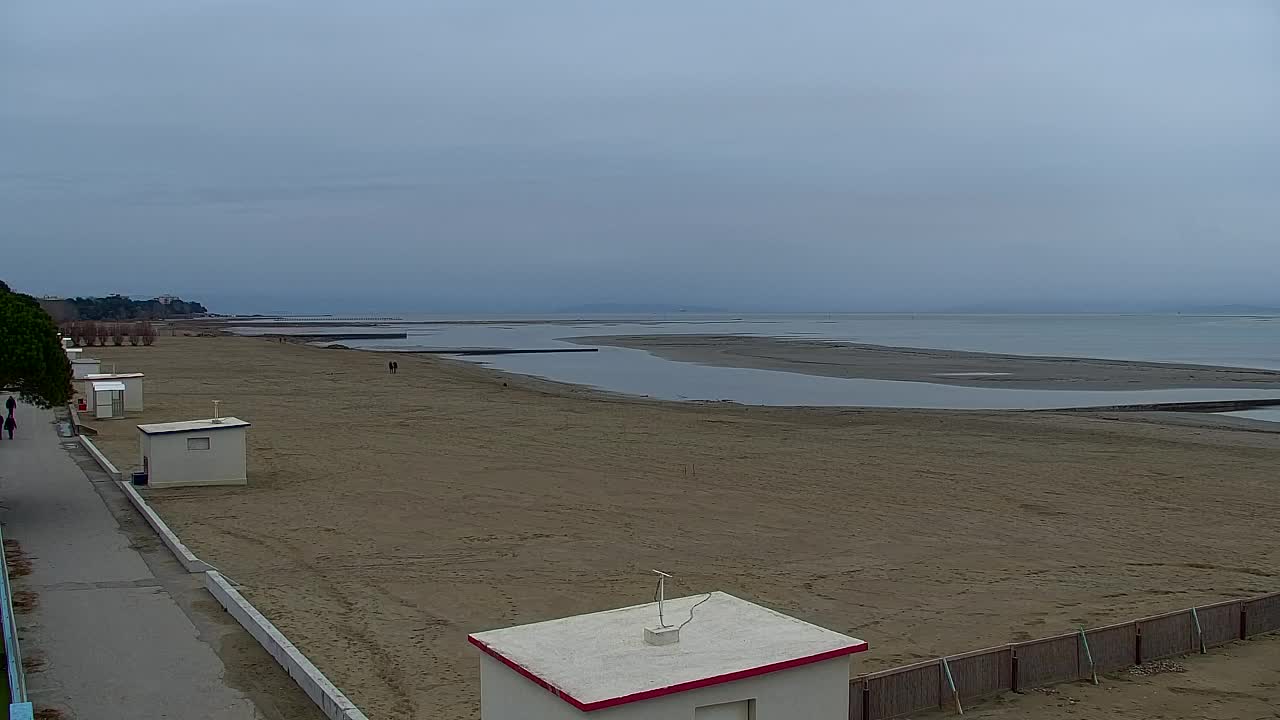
(498, 155)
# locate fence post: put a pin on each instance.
(859, 686)
(1088, 655)
(952, 683)
(1013, 671)
(1199, 632)
(1137, 643)
(1244, 620)
(866, 700)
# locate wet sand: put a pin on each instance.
(388, 516)
(945, 367)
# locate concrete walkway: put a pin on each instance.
(110, 636)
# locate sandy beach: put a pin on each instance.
(945, 367)
(388, 516)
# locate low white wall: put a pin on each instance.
(323, 693)
(101, 459)
(187, 558)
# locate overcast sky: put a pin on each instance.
(498, 155)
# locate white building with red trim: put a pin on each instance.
(733, 660)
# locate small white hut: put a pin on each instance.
(68, 343)
(108, 398)
(133, 396)
(82, 367)
(195, 452)
(728, 659)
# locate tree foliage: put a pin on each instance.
(32, 360)
(119, 307)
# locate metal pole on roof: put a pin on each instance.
(662, 596)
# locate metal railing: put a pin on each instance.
(19, 706)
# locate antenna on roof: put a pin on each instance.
(663, 634)
(662, 596)
(217, 416)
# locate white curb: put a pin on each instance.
(189, 561)
(323, 693)
(102, 460)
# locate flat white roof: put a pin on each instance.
(601, 660)
(112, 376)
(95, 361)
(192, 426)
(107, 385)
(73, 351)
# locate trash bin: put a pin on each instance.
(140, 477)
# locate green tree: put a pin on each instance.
(32, 360)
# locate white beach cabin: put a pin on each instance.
(68, 343)
(133, 397)
(195, 452)
(72, 353)
(734, 660)
(108, 399)
(82, 367)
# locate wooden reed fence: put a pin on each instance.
(958, 679)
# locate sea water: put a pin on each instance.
(1236, 341)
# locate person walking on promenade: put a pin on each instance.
(9, 425)
(11, 404)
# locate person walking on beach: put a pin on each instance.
(11, 404)
(9, 425)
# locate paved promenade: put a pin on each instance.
(119, 630)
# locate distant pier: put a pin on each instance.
(496, 351)
(317, 337)
(1207, 406)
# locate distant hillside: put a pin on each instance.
(119, 307)
(1229, 310)
(1084, 308)
(636, 309)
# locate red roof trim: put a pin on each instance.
(671, 689)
